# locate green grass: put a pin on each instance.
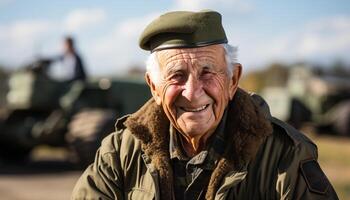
(334, 158)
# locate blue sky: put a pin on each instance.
(107, 31)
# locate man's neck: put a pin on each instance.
(194, 145)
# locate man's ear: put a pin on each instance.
(153, 88)
(236, 75)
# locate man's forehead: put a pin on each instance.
(214, 53)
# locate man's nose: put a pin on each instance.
(193, 88)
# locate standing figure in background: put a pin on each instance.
(71, 67)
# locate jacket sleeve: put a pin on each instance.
(301, 177)
(80, 73)
(103, 178)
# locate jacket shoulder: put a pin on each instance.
(120, 140)
(296, 136)
(284, 135)
(289, 140)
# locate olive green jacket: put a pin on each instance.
(264, 159)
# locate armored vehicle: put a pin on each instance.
(319, 99)
(76, 115)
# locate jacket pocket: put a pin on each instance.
(140, 194)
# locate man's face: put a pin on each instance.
(67, 47)
(194, 88)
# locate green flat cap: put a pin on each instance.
(183, 29)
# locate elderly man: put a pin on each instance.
(200, 136)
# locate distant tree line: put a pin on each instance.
(276, 74)
(338, 68)
(3, 84)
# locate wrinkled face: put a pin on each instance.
(194, 88)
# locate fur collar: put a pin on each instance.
(245, 123)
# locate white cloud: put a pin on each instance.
(84, 18)
(19, 39)
(229, 5)
(326, 36)
(24, 31)
(134, 26)
(22, 40)
(322, 41)
(6, 2)
(119, 49)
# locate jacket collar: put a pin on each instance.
(246, 123)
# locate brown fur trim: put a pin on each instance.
(247, 128)
(151, 126)
(224, 166)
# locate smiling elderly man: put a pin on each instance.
(200, 136)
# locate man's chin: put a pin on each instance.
(195, 130)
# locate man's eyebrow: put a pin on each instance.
(174, 68)
(206, 65)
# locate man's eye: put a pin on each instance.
(206, 74)
(177, 76)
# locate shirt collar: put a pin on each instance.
(215, 148)
(176, 149)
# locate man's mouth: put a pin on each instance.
(194, 109)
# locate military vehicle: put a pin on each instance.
(76, 115)
(321, 100)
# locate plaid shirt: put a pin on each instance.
(191, 175)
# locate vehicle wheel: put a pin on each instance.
(86, 131)
(15, 145)
(14, 154)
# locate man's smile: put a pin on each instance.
(197, 109)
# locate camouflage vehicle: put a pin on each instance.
(320, 99)
(76, 115)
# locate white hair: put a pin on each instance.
(230, 57)
(153, 68)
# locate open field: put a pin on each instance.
(54, 179)
(334, 158)
(57, 186)
(49, 175)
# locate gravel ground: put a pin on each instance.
(48, 175)
(37, 186)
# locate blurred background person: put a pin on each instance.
(69, 66)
